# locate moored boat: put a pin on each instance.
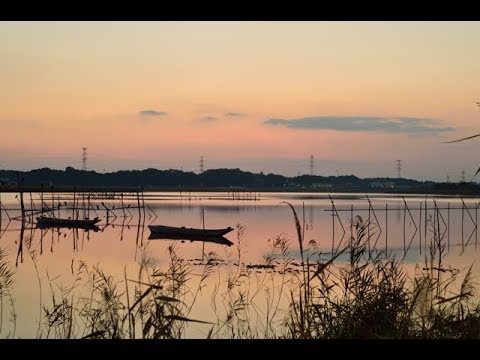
(183, 231)
(210, 239)
(70, 223)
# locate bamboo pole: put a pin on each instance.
(73, 207)
(203, 242)
(420, 227)
(386, 227)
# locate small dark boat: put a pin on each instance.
(87, 224)
(211, 239)
(189, 232)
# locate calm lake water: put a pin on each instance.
(46, 257)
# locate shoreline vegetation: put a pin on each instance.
(367, 295)
(223, 180)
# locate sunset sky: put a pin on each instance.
(261, 96)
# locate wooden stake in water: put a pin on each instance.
(463, 214)
(351, 224)
(41, 241)
(303, 227)
(83, 205)
(73, 207)
(448, 226)
(31, 208)
(123, 206)
(420, 227)
(53, 202)
(404, 227)
(22, 230)
(22, 206)
(20, 245)
(476, 225)
(333, 226)
(368, 230)
(440, 251)
(138, 234)
(51, 243)
(203, 242)
(143, 203)
(138, 202)
(41, 200)
(386, 227)
(74, 239)
(425, 233)
(434, 222)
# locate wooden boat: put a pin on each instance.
(211, 239)
(88, 224)
(183, 231)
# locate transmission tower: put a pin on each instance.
(399, 169)
(201, 164)
(311, 165)
(84, 159)
(463, 175)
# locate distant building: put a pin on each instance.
(323, 185)
(381, 185)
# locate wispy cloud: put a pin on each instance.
(408, 125)
(235, 114)
(209, 118)
(152, 113)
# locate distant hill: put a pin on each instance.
(235, 179)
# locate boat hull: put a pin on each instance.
(210, 239)
(46, 222)
(189, 232)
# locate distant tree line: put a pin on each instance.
(225, 178)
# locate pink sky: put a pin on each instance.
(160, 94)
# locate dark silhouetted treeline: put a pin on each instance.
(151, 179)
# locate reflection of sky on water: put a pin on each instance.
(119, 245)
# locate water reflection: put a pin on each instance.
(87, 227)
(221, 240)
(122, 235)
(263, 219)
